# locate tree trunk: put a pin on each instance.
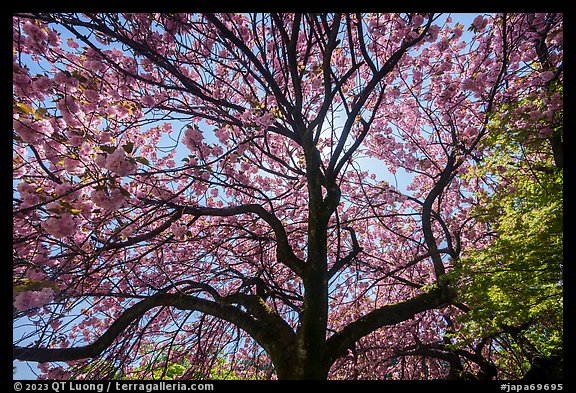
(297, 364)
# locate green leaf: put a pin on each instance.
(65, 205)
(23, 108)
(33, 285)
(142, 160)
(107, 149)
(40, 113)
(128, 147)
(77, 75)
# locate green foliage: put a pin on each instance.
(517, 280)
(171, 371)
(220, 370)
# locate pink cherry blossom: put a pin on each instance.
(61, 226)
(118, 163)
(111, 200)
(457, 32)
(479, 23)
(32, 299)
(192, 138)
(547, 76)
(418, 20)
(179, 230)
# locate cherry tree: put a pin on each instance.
(197, 187)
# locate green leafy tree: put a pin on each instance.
(221, 368)
(513, 289)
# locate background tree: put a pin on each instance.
(514, 286)
(191, 186)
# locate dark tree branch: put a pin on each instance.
(268, 329)
(224, 32)
(143, 237)
(385, 316)
(356, 249)
(284, 252)
(124, 320)
(50, 174)
(362, 98)
(429, 237)
(439, 351)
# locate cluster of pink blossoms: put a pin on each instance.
(250, 116)
(179, 230)
(119, 163)
(113, 200)
(32, 299)
(192, 138)
(222, 134)
(480, 23)
(32, 131)
(61, 226)
(51, 372)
